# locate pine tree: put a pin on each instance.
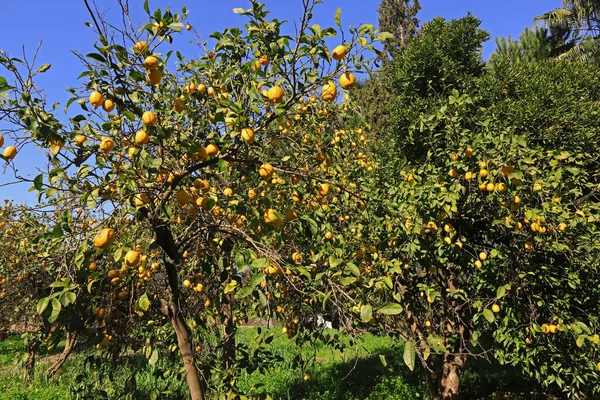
(398, 17)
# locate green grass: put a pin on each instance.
(354, 373)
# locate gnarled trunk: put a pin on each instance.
(71, 341)
(444, 379)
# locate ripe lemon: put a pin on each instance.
(248, 135)
(506, 171)
(297, 257)
(469, 152)
(179, 104)
(490, 187)
(188, 27)
(108, 105)
(496, 308)
(291, 215)
(266, 171)
(271, 218)
(154, 76)
(228, 192)
(212, 150)
(483, 173)
(10, 152)
(142, 137)
(80, 139)
(96, 98)
(329, 92)
(141, 46)
(339, 52)
(132, 258)
(107, 144)
(140, 199)
(452, 173)
(264, 60)
(151, 63)
(483, 256)
(347, 81)
(537, 187)
(468, 175)
(324, 189)
(275, 94)
(427, 324)
(183, 197)
(1, 140)
(149, 118)
(105, 238)
(187, 283)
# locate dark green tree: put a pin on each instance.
(398, 17)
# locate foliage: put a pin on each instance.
(490, 224)
(576, 23)
(398, 17)
(194, 194)
(533, 45)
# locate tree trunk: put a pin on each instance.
(71, 341)
(164, 238)
(444, 380)
(32, 349)
(228, 332)
(184, 340)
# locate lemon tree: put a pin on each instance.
(212, 184)
(486, 245)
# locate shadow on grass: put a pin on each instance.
(366, 378)
(360, 378)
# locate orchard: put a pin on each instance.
(193, 211)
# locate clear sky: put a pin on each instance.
(59, 25)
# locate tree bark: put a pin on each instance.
(164, 238)
(444, 379)
(32, 349)
(71, 341)
(228, 332)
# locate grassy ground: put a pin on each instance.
(357, 373)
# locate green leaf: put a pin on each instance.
(146, 8)
(383, 36)
(230, 287)
(68, 298)
(56, 307)
(500, 292)
(142, 303)
(366, 313)
(153, 357)
(338, 15)
(43, 68)
(382, 359)
(96, 57)
(390, 309)
(409, 355)
(354, 270)
(489, 315)
(334, 262)
(42, 304)
(249, 288)
(580, 340)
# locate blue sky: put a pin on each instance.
(61, 29)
